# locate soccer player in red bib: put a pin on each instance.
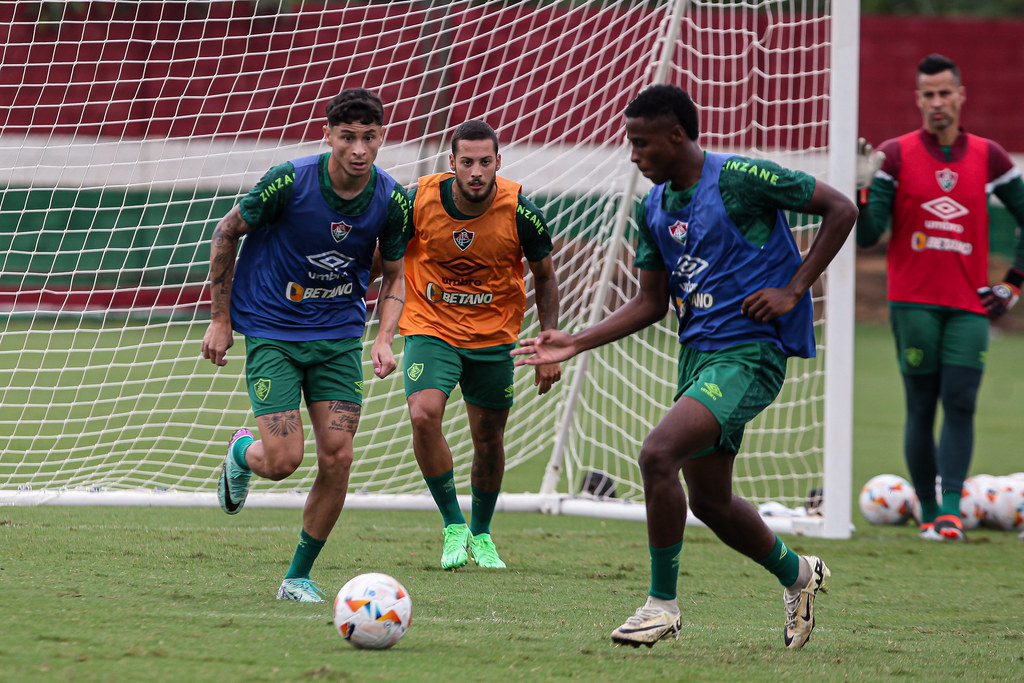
(715, 242)
(934, 184)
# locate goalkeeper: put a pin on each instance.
(297, 294)
(713, 240)
(934, 184)
(464, 277)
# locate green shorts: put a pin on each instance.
(930, 336)
(279, 372)
(485, 375)
(735, 384)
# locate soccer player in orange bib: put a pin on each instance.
(465, 304)
(934, 184)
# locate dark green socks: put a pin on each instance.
(665, 571)
(782, 562)
(442, 488)
(305, 555)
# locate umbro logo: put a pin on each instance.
(945, 208)
(462, 266)
(332, 261)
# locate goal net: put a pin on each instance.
(131, 128)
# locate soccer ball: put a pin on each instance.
(887, 499)
(988, 489)
(972, 506)
(372, 611)
(1009, 507)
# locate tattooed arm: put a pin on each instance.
(223, 250)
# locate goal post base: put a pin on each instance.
(552, 504)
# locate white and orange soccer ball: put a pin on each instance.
(1009, 506)
(972, 504)
(988, 487)
(372, 611)
(887, 499)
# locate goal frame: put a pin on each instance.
(838, 282)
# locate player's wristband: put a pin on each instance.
(1014, 277)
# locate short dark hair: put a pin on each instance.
(936, 64)
(666, 100)
(474, 130)
(355, 105)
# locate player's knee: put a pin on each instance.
(424, 419)
(335, 463)
(282, 461)
(706, 508)
(657, 460)
(959, 403)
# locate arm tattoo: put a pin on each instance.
(344, 416)
(282, 424)
(392, 296)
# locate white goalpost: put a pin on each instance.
(133, 127)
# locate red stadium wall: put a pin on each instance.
(88, 77)
(989, 53)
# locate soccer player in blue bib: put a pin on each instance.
(713, 240)
(297, 293)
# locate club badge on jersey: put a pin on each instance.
(340, 230)
(463, 238)
(946, 179)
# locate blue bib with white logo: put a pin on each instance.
(304, 277)
(712, 268)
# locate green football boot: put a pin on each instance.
(456, 538)
(481, 549)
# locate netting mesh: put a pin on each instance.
(131, 128)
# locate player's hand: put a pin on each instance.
(546, 375)
(216, 342)
(999, 299)
(768, 304)
(550, 346)
(868, 163)
(383, 359)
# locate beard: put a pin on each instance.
(476, 194)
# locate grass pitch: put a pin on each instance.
(155, 594)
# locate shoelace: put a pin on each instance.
(792, 606)
(485, 545)
(305, 586)
(643, 614)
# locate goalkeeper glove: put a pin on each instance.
(999, 299)
(868, 163)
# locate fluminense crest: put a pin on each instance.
(678, 231)
(947, 179)
(340, 230)
(463, 238)
(261, 388)
(415, 371)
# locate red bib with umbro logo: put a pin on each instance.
(938, 253)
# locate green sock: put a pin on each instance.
(782, 562)
(442, 488)
(665, 571)
(238, 449)
(950, 503)
(483, 510)
(305, 555)
(930, 510)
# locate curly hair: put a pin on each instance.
(355, 105)
(666, 100)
